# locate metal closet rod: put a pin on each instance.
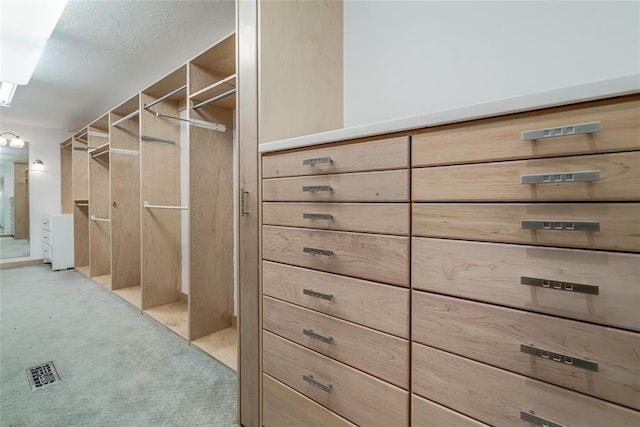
(214, 99)
(94, 218)
(125, 118)
(162, 98)
(195, 122)
(81, 148)
(82, 204)
(100, 153)
(82, 134)
(98, 134)
(154, 139)
(149, 206)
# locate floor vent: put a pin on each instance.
(42, 375)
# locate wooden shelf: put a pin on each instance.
(173, 316)
(83, 270)
(129, 106)
(222, 346)
(132, 295)
(104, 281)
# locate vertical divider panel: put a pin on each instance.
(81, 235)
(66, 177)
(99, 200)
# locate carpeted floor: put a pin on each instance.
(117, 367)
(11, 248)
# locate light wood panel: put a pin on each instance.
(359, 397)
(104, 281)
(84, 270)
(381, 355)
(21, 224)
(285, 407)
(382, 154)
(619, 227)
(491, 272)
(619, 180)
(366, 256)
(499, 138)
(493, 335)
(213, 65)
(496, 397)
(99, 205)
(173, 315)
(222, 346)
(387, 186)
(427, 413)
(15, 264)
(383, 218)
(66, 178)
(80, 160)
(300, 68)
(132, 294)
(81, 236)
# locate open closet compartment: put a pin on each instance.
(80, 190)
(66, 176)
(124, 148)
(211, 208)
(162, 208)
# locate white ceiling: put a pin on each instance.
(103, 52)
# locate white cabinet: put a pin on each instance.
(57, 240)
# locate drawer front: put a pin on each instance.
(387, 186)
(497, 397)
(47, 252)
(390, 153)
(282, 406)
(495, 273)
(376, 353)
(46, 237)
(382, 218)
(427, 413)
(45, 222)
(360, 398)
(501, 138)
(619, 225)
(355, 300)
(592, 359)
(603, 177)
(366, 256)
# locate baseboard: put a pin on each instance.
(24, 263)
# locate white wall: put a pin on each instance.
(403, 58)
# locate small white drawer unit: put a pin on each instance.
(57, 240)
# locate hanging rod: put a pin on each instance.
(100, 153)
(81, 148)
(123, 151)
(81, 135)
(98, 134)
(162, 98)
(148, 206)
(154, 139)
(214, 99)
(94, 218)
(196, 122)
(125, 118)
(82, 204)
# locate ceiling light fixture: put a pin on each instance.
(6, 93)
(37, 165)
(16, 142)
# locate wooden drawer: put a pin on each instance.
(355, 300)
(376, 353)
(390, 153)
(610, 177)
(359, 397)
(367, 256)
(497, 397)
(494, 272)
(619, 225)
(382, 218)
(282, 406)
(500, 138)
(495, 335)
(427, 413)
(386, 186)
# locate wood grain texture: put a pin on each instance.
(382, 218)
(382, 154)
(427, 413)
(222, 346)
(100, 206)
(214, 64)
(491, 272)
(355, 300)
(360, 398)
(80, 160)
(619, 227)
(499, 138)
(496, 397)
(386, 186)
(381, 355)
(619, 180)
(132, 295)
(493, 335)
(285, 407)
(80, 236)
(66, 179)
(366, 256)
(174, 316)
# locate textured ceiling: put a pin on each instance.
(103, 52)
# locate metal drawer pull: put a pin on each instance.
(315, 294)
(315, 336)
(315, 251)
(537, 421)
(316, 216)
(561, 286)
(553, 178)
(582, 128)
(316, 161)
(558, 357)
(314, 188)
(561, 225)
(313, 382)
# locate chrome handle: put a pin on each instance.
(554, 178)
(530, 417)
(315, 251)
(315, 294)
(316, 161)
(315, 188)
(244, 196)
(582, 128)
(561, 225)
(317, 384)
(316, 216)
(561, 286)
(558, 357)
(316, 336)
